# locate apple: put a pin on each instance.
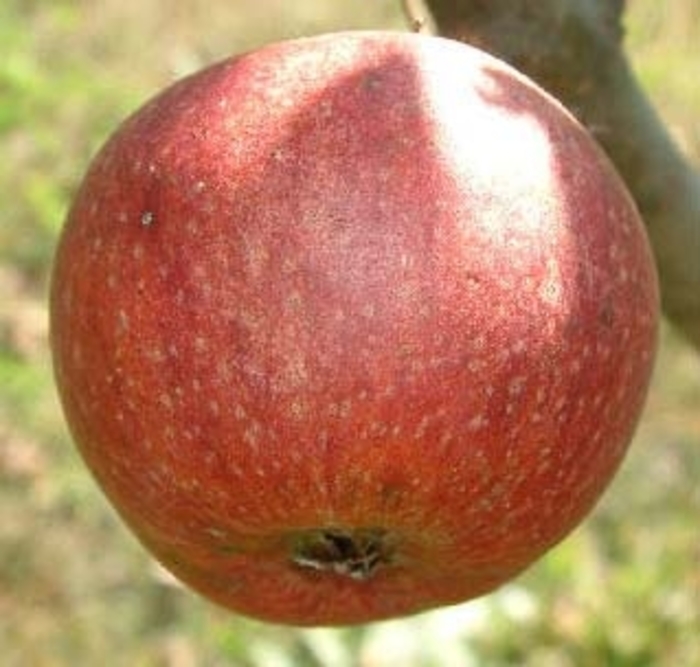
(352, 326)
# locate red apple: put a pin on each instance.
(352, 326)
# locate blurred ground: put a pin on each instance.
(75, 588)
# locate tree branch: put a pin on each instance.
(573, 49)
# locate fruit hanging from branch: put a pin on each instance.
(343, 337)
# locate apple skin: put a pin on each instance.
(352, 326)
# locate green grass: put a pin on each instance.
(76, 588)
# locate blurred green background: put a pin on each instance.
(75, 587)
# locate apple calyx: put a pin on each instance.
(356, 553)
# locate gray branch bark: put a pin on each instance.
(573, 49)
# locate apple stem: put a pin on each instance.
(418, 23)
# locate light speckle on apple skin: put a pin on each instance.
(279, 304)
